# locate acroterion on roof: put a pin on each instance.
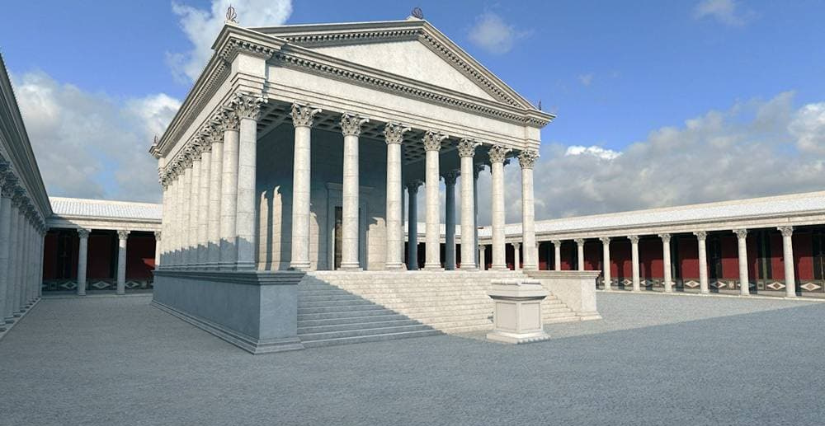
(104, 209)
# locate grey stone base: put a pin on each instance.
(256, 311)
(516, 338)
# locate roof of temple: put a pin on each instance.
(104, 209)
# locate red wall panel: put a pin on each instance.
(621, 259)
(650, 258)
(688, 249)
(100, 259)
(140, 257)
(593, 255)
(803, 251)
(730, 256)
(568, 255)
(777, 257)
(50, 256)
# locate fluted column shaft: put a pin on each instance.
(16, 260)
(527, 160)
(477, 169)
(394, 137)
(580, 254)
(449, 220)
(301, 185)
(412, 226)
(350, 199)
(5, 243)
(182, 220)
(517, 256)
(608, 279)
(557, 255)
(121, 261)
(634, 254)
(701, 236)
(666, 266)
(469, 242)
(203, 205)
(787, 254)
(160, 255)
(82, 260)
(25, 279)
(186, 217)
(158, 245)
(215, 202)
(194, 209)
(497, 158)
(249, 109)
(482, 257)
(229, 191)
(432, 147)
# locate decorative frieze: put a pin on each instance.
(351, 124)
(302, 115)
(432, 140)
(394, 133)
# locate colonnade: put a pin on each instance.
(209, 195)
(22, 232)
(83, 259)
(701, 237)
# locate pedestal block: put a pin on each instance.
(517, 315)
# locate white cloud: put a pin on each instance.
(90, 145)
(598, 152)
(756, 148)
(586, 79)
(726, 12)
(202, 27)
(492, 34)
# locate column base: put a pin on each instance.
(468, 269)
(499, 268)
(355, 267)
(395, 267)
(299, 266)
(433, 267)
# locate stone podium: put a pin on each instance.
(517, 315)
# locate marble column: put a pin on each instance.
(5, 242)
(634, 254)
(580, 253)
(203, 200)
(517, 256)
(432, 148)
(527, 159)
(350, 199)
(701, 237)
(608, 280)
(477, 169)
(556, 255)
(248, 108)
(82, 260)
(160, 255)
(301, 182)
(122, 237)
(158, 244)
(482, 257)
(229, 189)
(450, 179)
(394, 137)
(16, 259)
(666, 266)
(181, 217)
(171, 247)
(412, 225)
(469, 242)
(186, 197)
(498, 154)
(194, 208)
(744, 282)
(213, 257)
(26, 249)
(788, 260)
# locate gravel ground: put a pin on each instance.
(658, 360)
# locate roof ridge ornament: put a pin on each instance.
(417, 13)
(231, 15)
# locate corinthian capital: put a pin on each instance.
(247, 106)
(786, 231)
(467, 147)
(498, 153)
(351, 124)
(432, 140)
(302, 115)
(228, 120)
(527, 158)
(451, 177)
(394, 133)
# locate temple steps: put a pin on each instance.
(351, 307)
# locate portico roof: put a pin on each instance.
(104, 214)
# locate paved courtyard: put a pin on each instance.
(654, 359)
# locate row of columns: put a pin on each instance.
(470, 257)
(701, 236)
(209, 204)
(22, 232)
(120, 276)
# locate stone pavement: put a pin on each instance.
(653, 360)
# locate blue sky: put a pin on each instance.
(615, 73)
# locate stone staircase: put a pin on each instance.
(352, 307)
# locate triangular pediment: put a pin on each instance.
(412, 49)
